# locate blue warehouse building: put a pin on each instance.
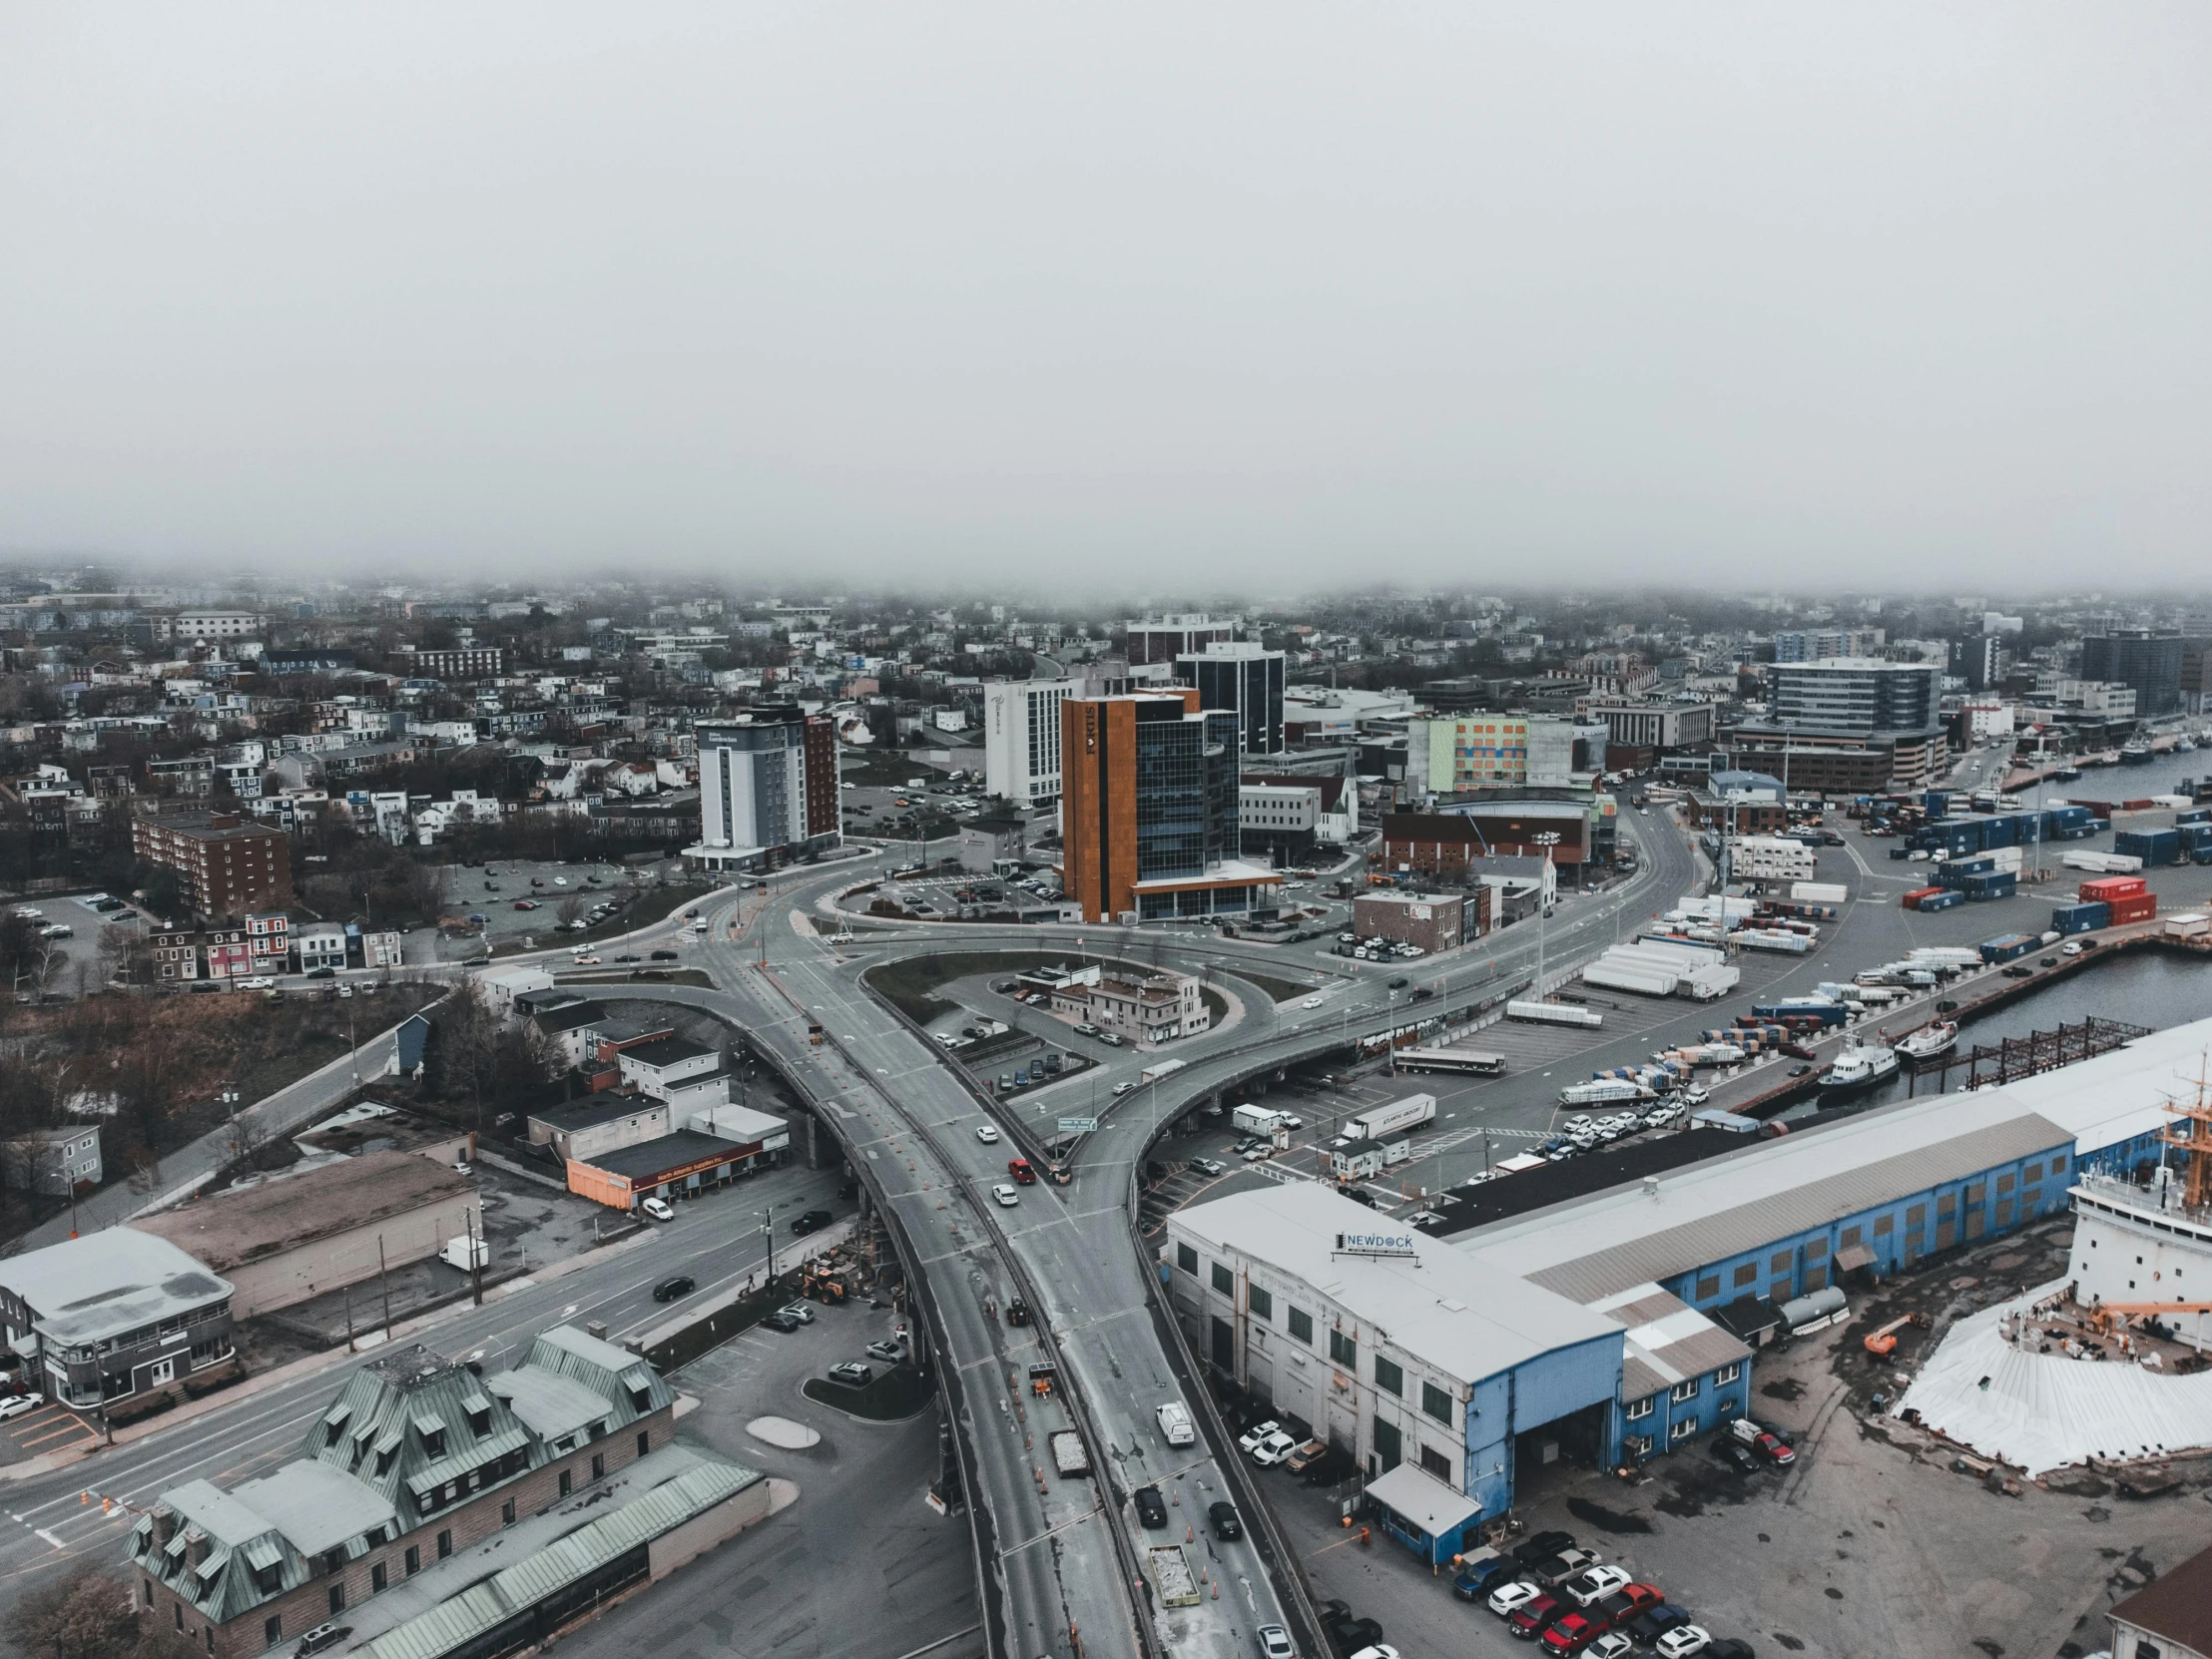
(1603, 1329)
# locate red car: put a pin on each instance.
(1576, 1631)
(1532, 1619)
(1774, 1449)
(1019, 1169)
(1628, 1601)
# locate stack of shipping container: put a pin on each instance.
(2126, 899)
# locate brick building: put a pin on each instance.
(227, 865)
(416, 1458)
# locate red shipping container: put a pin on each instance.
(2105, 890)
(2143, 907)
(1912, 901)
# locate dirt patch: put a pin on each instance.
(1783, 1388)
(1605, 1520)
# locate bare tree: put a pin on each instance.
(570, 910)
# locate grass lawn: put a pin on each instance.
(1282, 991)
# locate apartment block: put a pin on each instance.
(227, 865)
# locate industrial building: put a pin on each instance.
(1604, 1329)
(603, 1122)
(1432, 922)
(294, 1235)
(674, 1166)
(1462, 842)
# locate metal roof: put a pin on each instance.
(108, 1283)
(1468, 1321)
(530, 1580)
(316, 1506)
(684, 1149)
(1595, 1247)
(550, 1403)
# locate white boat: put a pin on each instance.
(1857, 1067)
(1931, 1041)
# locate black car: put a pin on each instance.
(1152, 1508)
(1647, 1627)
(1223, 1516)
(1349, 1635)
(668, 1290)
(663, 955)
(1541, 1545)
(1728, 1647)
(627, 958)
(1400, 983)
(811, 1221)
(781, 1322)
(322, 973)
(2019, 970)
(1801, 1071)
(1737, 1456)
(1476, 1583)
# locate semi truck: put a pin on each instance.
(1554, 1014)
(1398, 1116)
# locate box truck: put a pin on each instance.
(1400, 1115)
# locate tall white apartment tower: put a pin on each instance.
(1021, 739)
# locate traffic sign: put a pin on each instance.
(1079, 1126)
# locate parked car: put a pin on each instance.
(804, 1312)
(1260, 1431)
(812, 1221)
(1682, 1641)
(1554, 1570)
(1542, 1545)
(1774, 1449)
(1223, 1519)
(1735, 1453)
(1574, 1631)
(781, 1320)
(668, 1290)
(1152, 1509)
(1507, 1598)
(1594, 1584)
(888, 1351)
(1653, 1622)
(853, 1374)
(657, 1209)
(1276, 1643)
(1728, 1647)
(1298, 1457)
(1611, 1645)
(17, 1405)
(1629, 1600)
(1209, 1166)
(1533, 1619)
(1274, 1449)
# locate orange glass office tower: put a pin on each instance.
(1148, 808)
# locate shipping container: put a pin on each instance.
(2193, 926)
(2008, 948)
(1942, 899)
(1820, 892)
(1912, 901)
(2002, 883)
(2080, 919)
(2156, 848)
(2111, 889)
(2143, 907)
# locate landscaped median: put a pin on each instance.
(707, 1324)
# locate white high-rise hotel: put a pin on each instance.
(1021, 739)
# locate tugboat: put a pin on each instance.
(1930, 1042)
(2137, 752)
(1856, 1069)
(2068, 775)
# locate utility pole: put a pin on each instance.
(476, 1257)
(384, 1284)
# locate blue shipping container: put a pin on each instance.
(2193, 814)
(2156, 848)
(1940, 901)
(2001, 884)
(2080, 919)
(2006, 948)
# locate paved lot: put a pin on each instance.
(861, 1565)
(50, 1428)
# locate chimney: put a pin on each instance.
(1651, 1186)
(165, 1526)
(196, 1549)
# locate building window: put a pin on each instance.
(1849, 1237)
(1884, 1226)
(1640, 1408)
(1224, 1281)
(1389, 1375)
(2058, 1163)
(375, 1578)
(178, 1613)
(337, 1596)
(1683, 1429)
(1746, 1273)
(1342, 1350)
(1780, 1265)
(1684, 1390)
(333, 1560)
(272, 1629)
(645, 1441)
(2005, 1183)
(1301, 1324)
(1437, 1402)
(1726, 1375)
(507, 1513)
(1390, 1444)
(598, 1465)
(1259, 1301)
(1915, 1216)
(1437, 1463)
(567, 1480)
(445, 1544)
(1186, 1257)
(413, 1561)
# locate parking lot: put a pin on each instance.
(43, 1432)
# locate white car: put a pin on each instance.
(657, 1209)
(1696, 1097)
(18, 1406)
(1310, 1003)
(1006, 1194)
(560, 880)
(1251, 1441)
(1276, 1643)
(1508, 1597)
(1274, 1449)
(585, 960)
(1381, 1650)
(1123, 1088)
(2072, 948)
(1611, 1645)
(988, 1134)
(1682, 1640)
(1595, 1584)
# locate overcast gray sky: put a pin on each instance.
(1788, 294)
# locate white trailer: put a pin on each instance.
(1159, 1069)
(1626, 976)
(2102, 864)
(1554, 1014)
(1258, 1120)
(1379, 1121)
(1820, 893)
